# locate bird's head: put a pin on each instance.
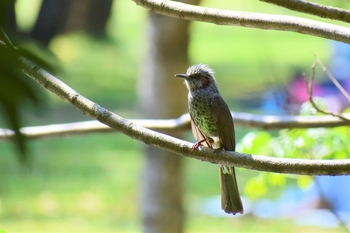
(198, 76)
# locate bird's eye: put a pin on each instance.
(194, 76)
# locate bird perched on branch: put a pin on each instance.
(212, 126)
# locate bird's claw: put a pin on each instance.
(197, 144)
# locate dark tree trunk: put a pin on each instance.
(95, 25)
(161, 95)
(8, 17)
(50, 21)
(62, 16)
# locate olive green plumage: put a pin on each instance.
(212, 126)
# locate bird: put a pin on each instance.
(212, 126)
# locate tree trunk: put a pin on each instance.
(50, 20)
(96, 23)
(63, 16)
(8, 17)
(161, 95)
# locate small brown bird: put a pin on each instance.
(212, 126)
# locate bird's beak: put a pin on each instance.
(181, 76)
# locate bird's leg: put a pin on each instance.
(198, 144)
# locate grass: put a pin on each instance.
(90, 183)
(72, 188)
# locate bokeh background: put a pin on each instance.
(92, 182)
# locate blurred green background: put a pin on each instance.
(91, 183)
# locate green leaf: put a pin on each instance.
(304, 181)
(254, 142)
(347, 110)
(16, 91)
(307, 108)
(276, 179)
(256, 186)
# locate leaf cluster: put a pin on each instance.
(310, 143)
(16, 90)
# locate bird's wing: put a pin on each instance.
(224, 122)
(198, 135)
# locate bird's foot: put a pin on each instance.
(198, 144)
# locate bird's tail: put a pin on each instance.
(230, 198)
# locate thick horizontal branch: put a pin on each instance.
(262, 163)
(313, 9)
(181, 123)
(247, 19)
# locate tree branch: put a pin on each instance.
(311, 99)
(287, 122)
(181, 123)
(332, 78)
(256, 162)
(247, 19)
(313, 9)
(5, 40)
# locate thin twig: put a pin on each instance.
(313, 9)
(331, 203)
(332, 78)
(6, 39)
(311, 100)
